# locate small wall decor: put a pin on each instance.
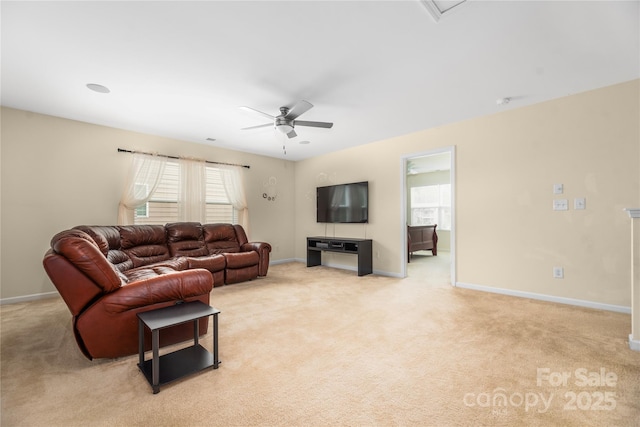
(270, 190)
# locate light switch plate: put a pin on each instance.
(579, 203)
(558, 188)
(560, 205)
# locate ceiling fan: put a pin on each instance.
(286, 121)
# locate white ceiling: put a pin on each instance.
(376, 69)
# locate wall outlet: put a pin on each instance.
(558, 273)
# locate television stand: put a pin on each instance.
(360, 247)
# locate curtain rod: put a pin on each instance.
(122, 150)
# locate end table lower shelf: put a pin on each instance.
(160, 370)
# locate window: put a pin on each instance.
(163, 205)
(431, 204)
(218, 207)
(141, 191)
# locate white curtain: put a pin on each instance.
(192, 195)
(143, 179)
(232, 179)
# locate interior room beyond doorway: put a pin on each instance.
(429, 199)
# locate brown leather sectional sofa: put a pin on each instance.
(108, 274)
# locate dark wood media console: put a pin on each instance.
(361, 247)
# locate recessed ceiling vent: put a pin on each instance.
(98, 88)
(439, 8)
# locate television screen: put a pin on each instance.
(344, 203)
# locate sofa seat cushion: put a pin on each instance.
(216, 265)
(178, 263)
(144, 273)
(242, 259)
(213, 263)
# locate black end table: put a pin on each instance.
(181, 362)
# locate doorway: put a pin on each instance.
(428, 197)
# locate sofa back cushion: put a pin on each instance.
(144, 244)
(186, 239)
(108, 240)
(83, 252)
(220, 238)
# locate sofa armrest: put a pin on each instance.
(166, 287)
(83, 252)
(76, 288)
(263, 249)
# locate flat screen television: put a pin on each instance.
(344, 203)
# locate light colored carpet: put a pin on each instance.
(323, 347)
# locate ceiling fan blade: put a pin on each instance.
(298, 109)
(258, 126)
(292, 134)
(253, 110)
(313, 124)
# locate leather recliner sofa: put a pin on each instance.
(108, 274)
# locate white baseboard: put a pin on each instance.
(550, 298)
(634, 344)
(26, 298)
(388, 274)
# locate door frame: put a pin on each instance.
(403, 197)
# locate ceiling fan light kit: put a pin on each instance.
(283, 125)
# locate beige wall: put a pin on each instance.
(507, 235)
(58, 173)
